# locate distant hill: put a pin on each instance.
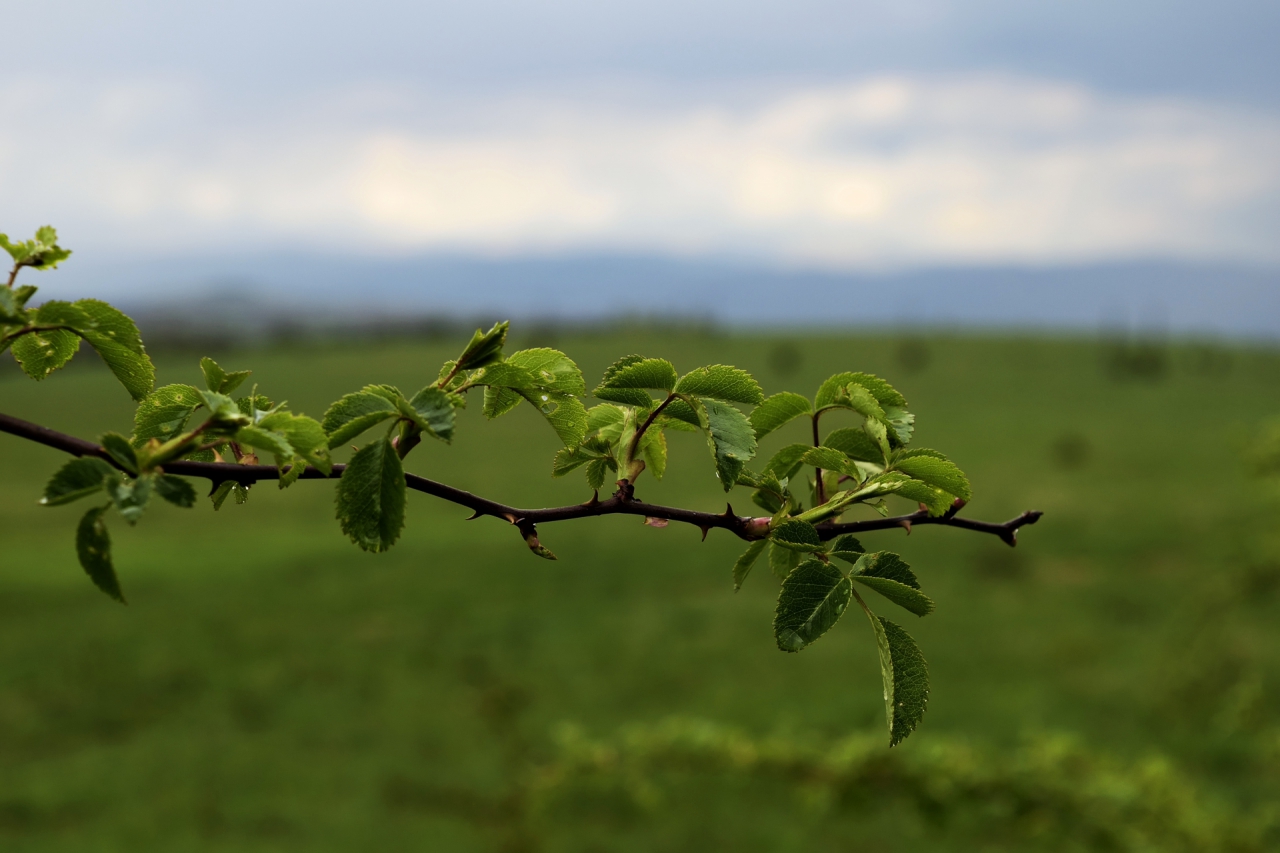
(1151, 297)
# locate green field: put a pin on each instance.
(271, 687)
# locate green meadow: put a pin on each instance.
(271, 687)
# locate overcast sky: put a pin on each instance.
(839, 135)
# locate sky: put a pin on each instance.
(837, 137)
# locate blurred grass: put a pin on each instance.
(269, 683)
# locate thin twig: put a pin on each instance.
(745, 527)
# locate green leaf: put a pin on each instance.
(942, 473)
(855, 443)
(901, 423)
(268, 440)
(11, 312)
(598, 471)
(770, 494)
(485, 347)
(777, 411)
(653, 373)
(130, 496)
(847, 548)
(217, 379)
(552, 370)
(654, 447)
(796, 535)
(290, 475)
(742, 567)
(41, 253)
(721, 382)
(504, 375)
(305, 435)
(862, 401)
(41, 353)
(175, 490)
(23, 294)
(830, 459)
(731, 438)
(77, 479)
(163, 413)
(607, 419)
(628, 397)
(213, 374)
(14, 249)
(682, 415)
(613, 369)
(886, 564)
(116, 339)
(786, 462)
(567, 416)
(432, 410)
(498, 401)
(935, 500)
(905, 675)
(226, 489)
(371, 497)
(390, 393)
(813, 597)
(914, 452)
(889, 575)
(93, 547)
(571, 458)
(544, 375)
(119, 449)
(227, 413)
(836, 387)
(880, 435)
(355, 413)
(782, 561)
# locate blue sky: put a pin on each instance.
(854, 137)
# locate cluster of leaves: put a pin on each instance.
(229, 430)
(641, 399)
(1047, 793)
(46, 338)
(854, 465)
(371, 493)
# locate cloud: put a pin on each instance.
(885, 171)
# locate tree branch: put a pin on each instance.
(744, 527)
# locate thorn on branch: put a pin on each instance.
(705, 531)
(595, 500)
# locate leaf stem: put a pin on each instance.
(820, 489)
(635, 439)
